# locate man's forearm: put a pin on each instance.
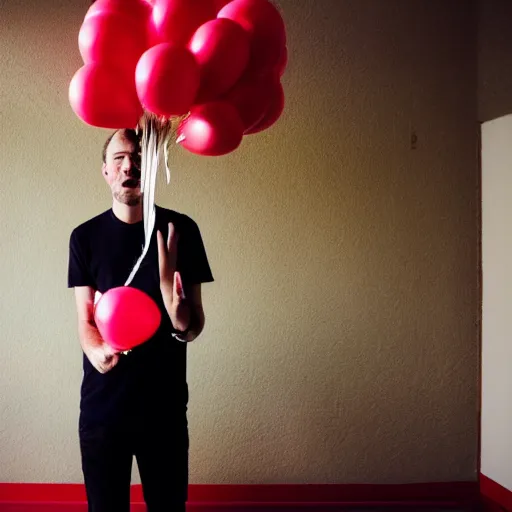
(101, 355)
(89, 336)
(196, 325)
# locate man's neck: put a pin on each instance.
(128, 214)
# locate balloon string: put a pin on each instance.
(156, 139)
(154, 136)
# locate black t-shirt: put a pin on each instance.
(149, 382)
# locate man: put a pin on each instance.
(135, 404)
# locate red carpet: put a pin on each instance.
(244, 507)
(434, 497)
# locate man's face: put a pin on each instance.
(122, 170)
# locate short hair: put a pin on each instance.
(128, 133)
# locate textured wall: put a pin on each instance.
(341, 339)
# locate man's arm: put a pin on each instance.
(197, 318)
(100, 354)
(184, 307)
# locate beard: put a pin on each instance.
(129, 197)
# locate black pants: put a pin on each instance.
(161, 451)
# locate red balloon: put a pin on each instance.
(221, 48)
(274, 110)
(251, 98)
(266, 27)
(167, 79)
(112, 37)
(105, 97)
(176, 20)
(212, 129)
(126, 317)
(137, 9)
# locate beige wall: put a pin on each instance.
(341, 339)
(494, 57)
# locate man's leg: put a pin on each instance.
(162, 457)
(106, 465)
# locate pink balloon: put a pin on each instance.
(212, 129)
(167, 78)
(221, 48)
(274, 110)
(266, 27)
(176, 20)
(112, 37)
(105, 97)
(251, 97)
(140, 10)
(126, 317)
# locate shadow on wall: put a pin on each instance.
(494, 57)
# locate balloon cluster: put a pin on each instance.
(216, 65)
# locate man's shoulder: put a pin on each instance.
(92, 224)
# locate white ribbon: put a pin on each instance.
(155, 138)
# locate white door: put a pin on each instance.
(496, 442)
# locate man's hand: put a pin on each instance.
(171, 285)
(102, 356)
